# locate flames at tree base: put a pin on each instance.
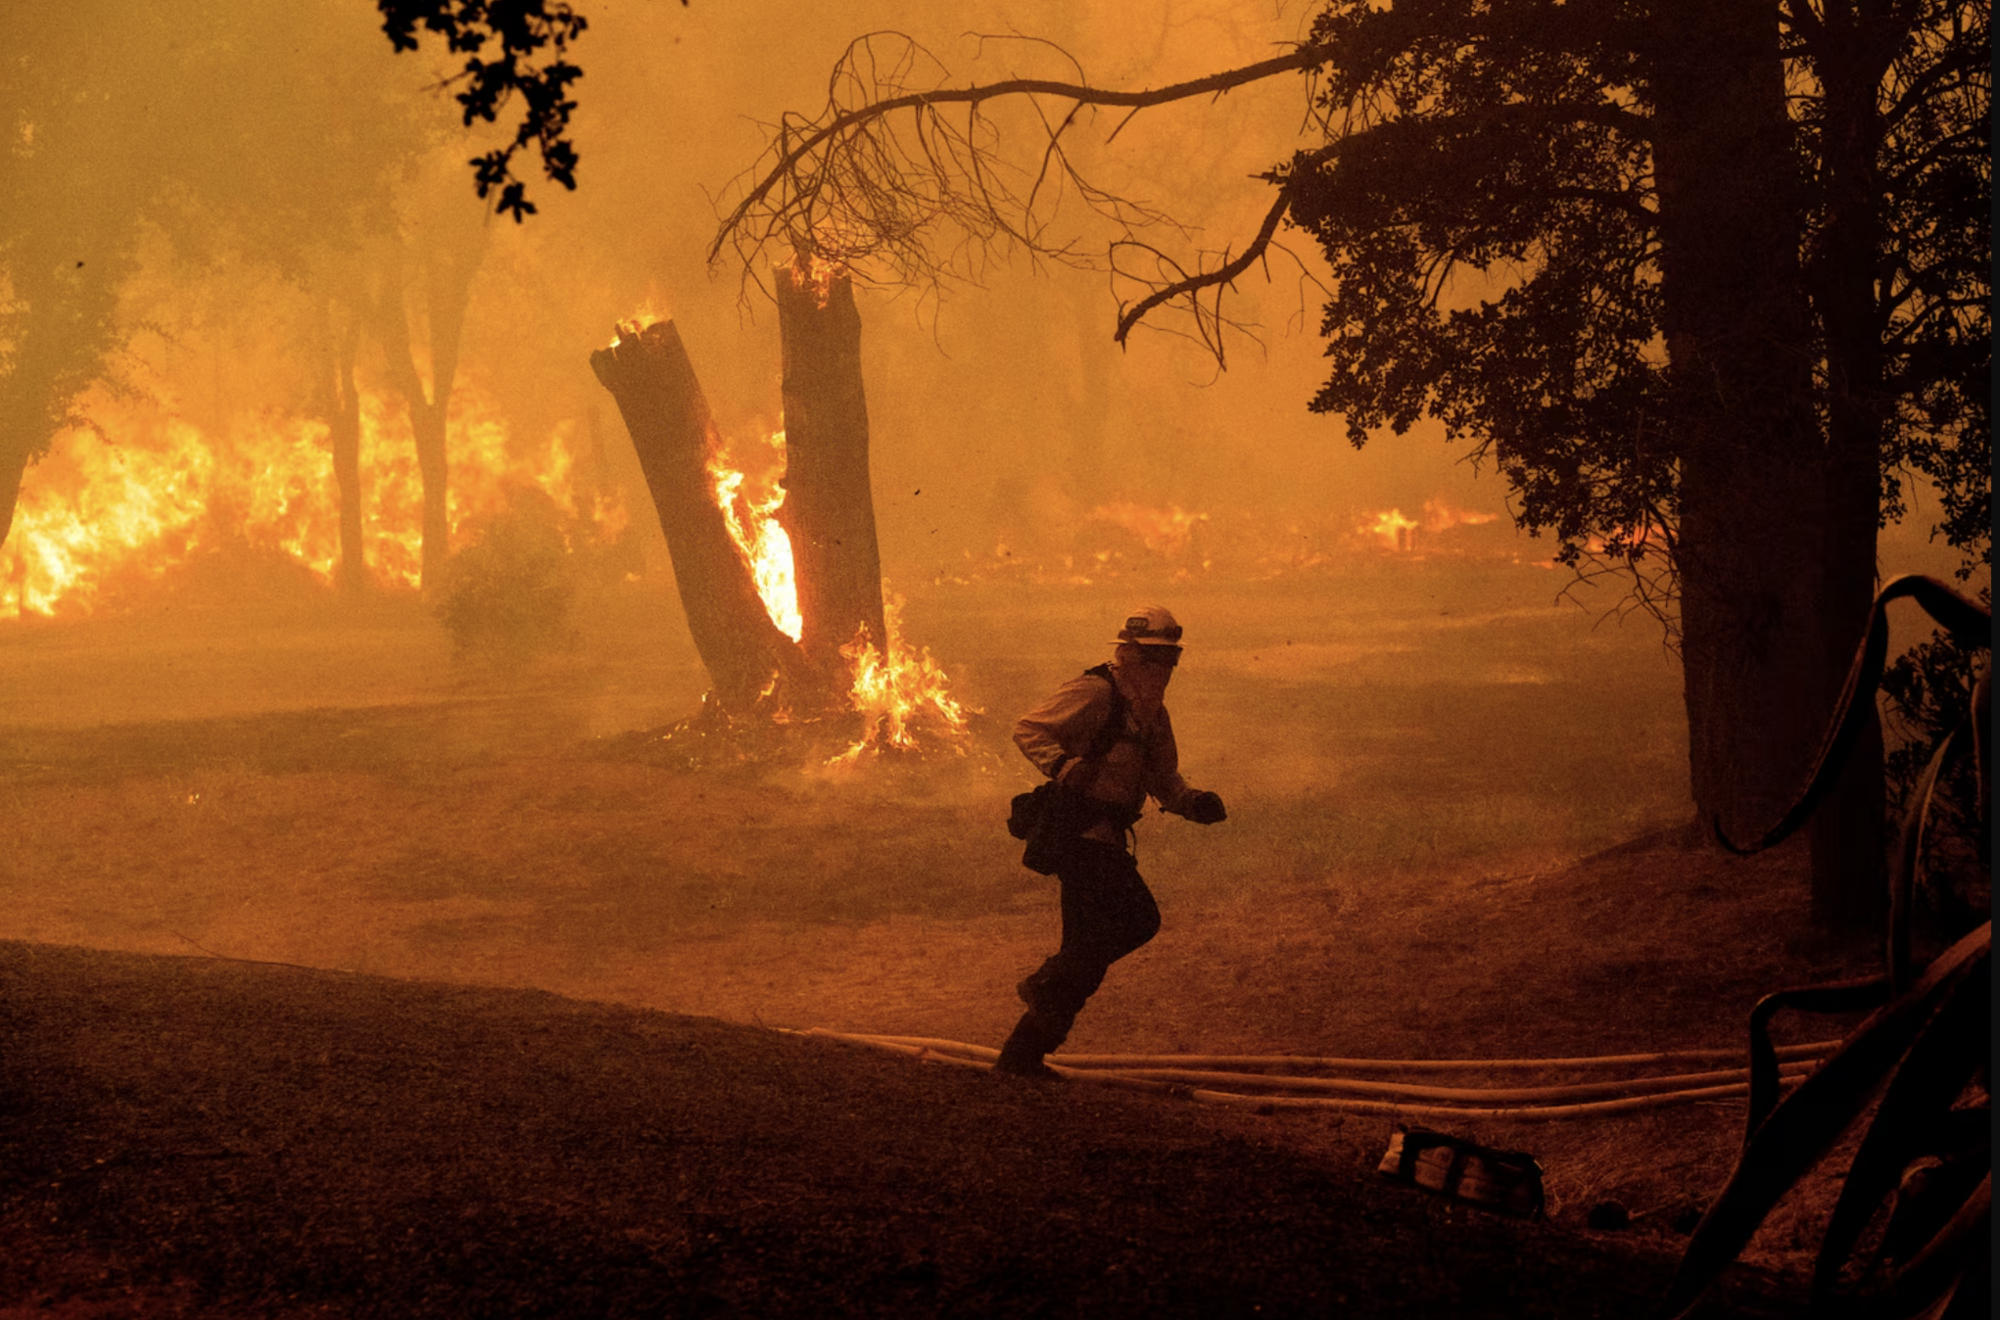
(768, 736)
(896, 706)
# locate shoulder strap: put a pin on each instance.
(1114, 724)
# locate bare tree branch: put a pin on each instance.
(1224, 275)
(843, 121)
(909, 184)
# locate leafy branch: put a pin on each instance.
(533, 39)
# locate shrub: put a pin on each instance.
(506, 595)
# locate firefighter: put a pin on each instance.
(1106, 739)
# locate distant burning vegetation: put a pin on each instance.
(1399, 534)
(140, 492)
(1126, 539)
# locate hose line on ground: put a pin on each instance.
(1815, 1050)
(1211, 1079)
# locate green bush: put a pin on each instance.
(506, 595)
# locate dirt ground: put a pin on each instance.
(1455, 832)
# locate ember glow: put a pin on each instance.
(750, 511)
(144, 491)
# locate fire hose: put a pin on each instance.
(1267, 1082)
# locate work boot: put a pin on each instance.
(1022, 1055)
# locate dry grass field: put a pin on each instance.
(1455, 828)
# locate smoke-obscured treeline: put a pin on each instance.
(226, 204)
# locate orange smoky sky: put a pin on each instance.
(1008, 406)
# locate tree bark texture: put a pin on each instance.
(829, 508)
(1856, 50)
(661, 401)
(1760, 678)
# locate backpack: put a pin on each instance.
(1051, 816)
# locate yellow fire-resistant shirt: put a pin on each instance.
(1144, 761)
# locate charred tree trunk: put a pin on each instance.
(661, 400)
(339, 404)
(447, 293)
(1760, 678)
(346, 436)
(829, 508)
(13, 466)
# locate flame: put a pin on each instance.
(136, 499)
(762, 541)
(899, 693)
(810, 270)
(162, 489)
(1163, 531)
(635, 325)
(1395, 531)
(1442, 517)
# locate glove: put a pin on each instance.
(1205, 809)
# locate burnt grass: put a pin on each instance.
(182, 1135)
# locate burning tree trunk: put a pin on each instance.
(340, 405)
(829, 508)
(447, 281)
(661, 400)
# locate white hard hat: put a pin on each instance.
(1151, 625)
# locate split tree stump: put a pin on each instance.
(829, 508)
(660, 398)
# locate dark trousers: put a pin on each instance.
(1107, 912)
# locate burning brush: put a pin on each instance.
(139, 492)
